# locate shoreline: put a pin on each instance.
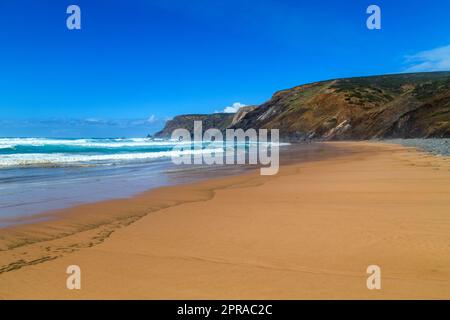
(191, 176)
(30, 192)
(40, 245)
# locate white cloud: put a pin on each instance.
(152, 119)
(233, 108)
(437, 59)
(92, 120)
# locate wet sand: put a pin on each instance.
(309, 232)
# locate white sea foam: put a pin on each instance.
(100, 143)
(63, 159)
(6, 146)
(41, 156)
(8, 143)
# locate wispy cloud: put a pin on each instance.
(437, 59)
(152, 119)
(81, 125)
(233, 108)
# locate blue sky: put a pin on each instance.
(136, 63)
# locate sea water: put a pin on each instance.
(39, 174)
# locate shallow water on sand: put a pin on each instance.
(33, 188)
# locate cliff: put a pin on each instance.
(389, 106)
(241, 113)
(219, 121)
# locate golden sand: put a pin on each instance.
(309, 232)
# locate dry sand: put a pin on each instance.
(309, 232)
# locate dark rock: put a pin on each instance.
(390, 106)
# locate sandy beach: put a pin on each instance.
(309, 232)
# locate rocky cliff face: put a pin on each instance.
(241, 113)
(389, 106)
(219, 121)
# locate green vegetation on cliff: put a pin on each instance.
(388, 106)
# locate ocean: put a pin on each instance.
(39, 152)
(39, 174)
(42, 174)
